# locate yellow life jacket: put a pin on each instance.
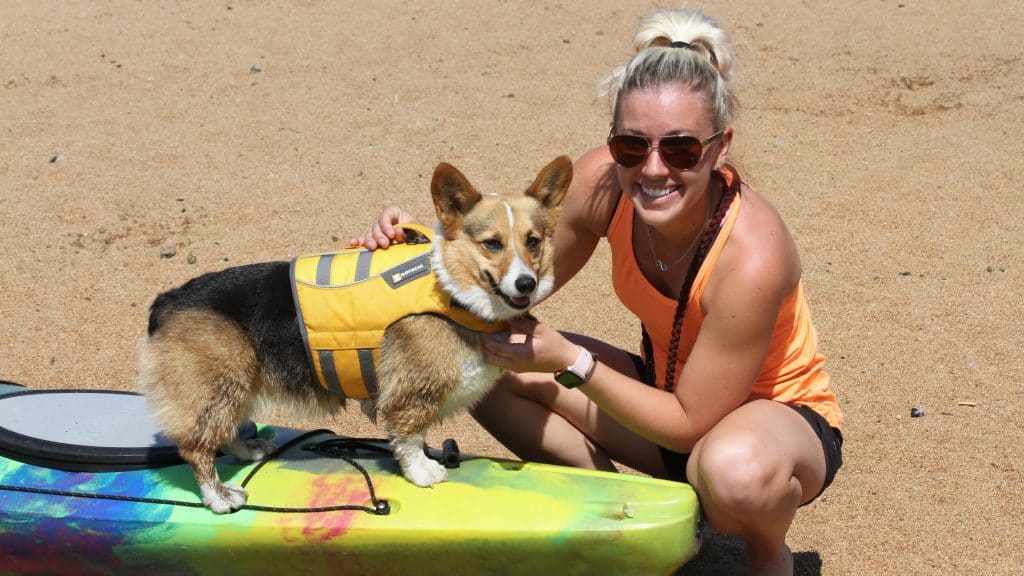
(345, 300)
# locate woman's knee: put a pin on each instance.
(739, 475)
(513, 396)
(540, 388)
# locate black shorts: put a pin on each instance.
(831, 441)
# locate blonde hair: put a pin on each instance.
(677, 46)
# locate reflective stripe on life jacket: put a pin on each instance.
(345, 300)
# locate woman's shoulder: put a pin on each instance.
(757, 214)
(594, 192)
(760, 250)
(594, 172)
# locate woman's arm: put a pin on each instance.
(586, 211)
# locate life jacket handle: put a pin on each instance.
(421, 231)
(424, 232)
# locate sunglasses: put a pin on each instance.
(679, 152)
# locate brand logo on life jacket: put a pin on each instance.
(408, 271)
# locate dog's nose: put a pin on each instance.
(526, 284)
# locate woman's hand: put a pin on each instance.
(385, 230)
(530, 347)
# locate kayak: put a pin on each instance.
(88, 485)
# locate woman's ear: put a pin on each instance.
(723, 150)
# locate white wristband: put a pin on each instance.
(579, 372)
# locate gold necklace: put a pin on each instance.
(696, 239)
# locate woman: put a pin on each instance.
(729, 394)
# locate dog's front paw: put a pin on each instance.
(223, 498)
(425, 472)
(416, 466)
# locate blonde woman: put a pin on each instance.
(728, 391)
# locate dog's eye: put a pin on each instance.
(532, 243)
(492, 245)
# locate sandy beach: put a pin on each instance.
(143, 143)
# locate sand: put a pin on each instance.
(142, 144)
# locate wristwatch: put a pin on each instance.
(579, 372)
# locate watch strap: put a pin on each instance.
(579, 372)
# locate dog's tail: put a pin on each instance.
(195, 293)
(158, 312)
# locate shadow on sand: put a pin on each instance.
(723, 555)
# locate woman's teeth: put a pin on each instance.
(656, 192)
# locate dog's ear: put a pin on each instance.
(453, 195)
(552, 183)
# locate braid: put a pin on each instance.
(714, 227)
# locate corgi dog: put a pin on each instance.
(226, 343)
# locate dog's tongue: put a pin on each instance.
(521, 301)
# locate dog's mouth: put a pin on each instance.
(514, 302)
(519, 303)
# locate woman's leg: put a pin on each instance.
(541, 421)
(751, 472)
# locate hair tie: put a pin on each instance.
(681, 44)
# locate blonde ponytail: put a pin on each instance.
(678, 47)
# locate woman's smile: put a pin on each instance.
(656, 193)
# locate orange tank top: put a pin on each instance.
(793, 370)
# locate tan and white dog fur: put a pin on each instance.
(227, 342)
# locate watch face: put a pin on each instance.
(568, 379)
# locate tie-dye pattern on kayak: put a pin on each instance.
(492, 517)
